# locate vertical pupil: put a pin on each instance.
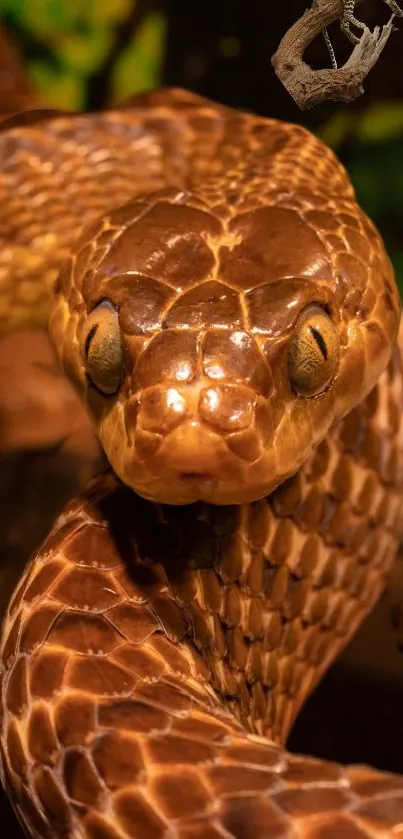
(320, 341)
(89, 339)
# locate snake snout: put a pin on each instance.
(190, 434)
(225, 409)
(191, 450)
(193, 456)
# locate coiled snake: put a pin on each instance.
(232, 324)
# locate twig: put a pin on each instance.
(309, 87)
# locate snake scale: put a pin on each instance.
(231, 319)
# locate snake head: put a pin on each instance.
(216, 344)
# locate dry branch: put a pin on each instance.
(308, 87)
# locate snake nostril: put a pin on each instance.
(193, 476)
(161, 409)
(228, 408)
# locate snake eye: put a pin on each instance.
(102, 349)
(313, 353)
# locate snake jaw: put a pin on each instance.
(194, 461)
(179, 441)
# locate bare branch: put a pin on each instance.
(309, 87)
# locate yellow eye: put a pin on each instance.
(101, 348)
(313, 353)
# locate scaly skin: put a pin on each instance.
(155, 656)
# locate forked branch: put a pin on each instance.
(308, 87)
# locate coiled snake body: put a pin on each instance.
(232, 323)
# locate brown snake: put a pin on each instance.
(233, 330)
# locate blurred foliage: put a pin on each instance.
(68, 43)
(381, 122)
(138, 66)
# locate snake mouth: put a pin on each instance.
(202, 477)
(192, 453)
(192, 463)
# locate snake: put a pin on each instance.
(230, 317)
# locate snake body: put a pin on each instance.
(232, 324)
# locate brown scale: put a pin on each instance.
(155, 656)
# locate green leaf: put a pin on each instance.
(44, 17)
(106, 11)
(383, 121)
(85, 52)
(47, 18)
(60, 89)
(139, 66)
(337, 128)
